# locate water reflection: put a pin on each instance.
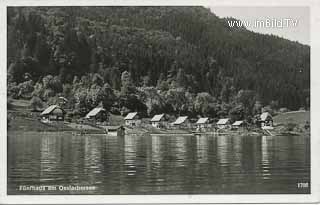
(179, 151)
(202, 148)
(93, 159)
(266, 143)
(130, 154)
(49, 158)
(156, 148)
(223, 149)
(143, 164)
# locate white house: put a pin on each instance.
(132, 119)
(238, 124)
(202, 122)
(223, 123)
(181, 121)
(158, 121)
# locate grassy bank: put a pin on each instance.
(296, 117)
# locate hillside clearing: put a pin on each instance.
(296, 117)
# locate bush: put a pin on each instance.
(291, 126)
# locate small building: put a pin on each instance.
(266, 120)
(97, 114)
(115, 130)
(223, 123)
(62, 101)
(238, 124)
(132, 119)
(158, 121)
(202, 122)
(181, 122)
(53, 113)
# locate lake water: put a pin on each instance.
(158, 164)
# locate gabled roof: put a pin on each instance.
(131, 116)
(238, 123)
(157, 118)
(63, 98)
(265, 116)
(50, 109)
(223, 121)
(202, 120)
(180, 120)
(94, 112)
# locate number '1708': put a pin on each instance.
(303, 185)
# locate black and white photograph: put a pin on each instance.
(158, 100)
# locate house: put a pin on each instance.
(266, 119)
(238, 124)
(181, 121)
(97, 114)
(53, 113)
(115, 130)
(158, 121)
(223, 123)
(132, 119)
(202, 122)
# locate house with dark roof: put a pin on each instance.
(53, 113)
(132, 119)
(158, 121)
(97, 114)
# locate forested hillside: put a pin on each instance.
(178, 60)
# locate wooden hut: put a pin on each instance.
(115, 130)
(223, 123)
(132, 119)
(158, 121)
(53, 113)
(97, 114)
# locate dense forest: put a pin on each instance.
(177, 60)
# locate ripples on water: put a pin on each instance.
(159, 164)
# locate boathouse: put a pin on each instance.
(53, 113)
(132, 119)
(181, 122)
(202, 122)
(266, 120)
(97, 114)
(223, 123)
(115, 130)
(158, 121)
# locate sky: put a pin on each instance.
(296, 28)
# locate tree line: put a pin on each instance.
(178, 60)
